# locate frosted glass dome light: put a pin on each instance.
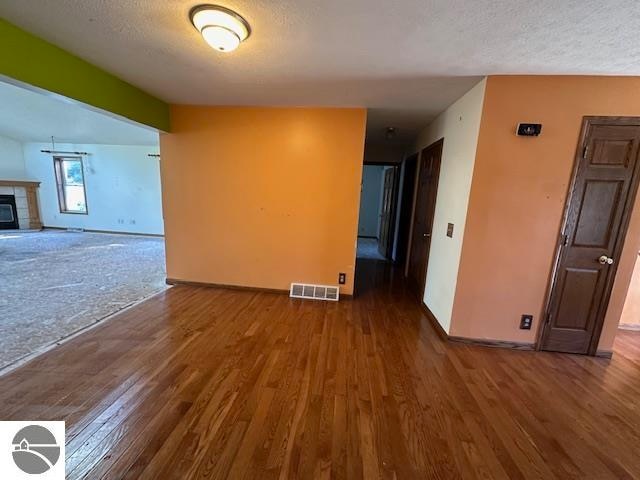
(221, 28)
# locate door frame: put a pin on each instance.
(405, 223)
(440, 144)
(587, 121)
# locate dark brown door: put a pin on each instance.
(596, 219)
(385, 242)
(425, 206)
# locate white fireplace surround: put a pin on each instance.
(26, 202)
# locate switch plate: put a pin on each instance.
(450, 230)
(342, 278)
(525, 322)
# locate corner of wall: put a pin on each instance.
(459, 126)
(491, 295)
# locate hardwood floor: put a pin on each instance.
(206, 383)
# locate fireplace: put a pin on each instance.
(8, 212)
(19, 205)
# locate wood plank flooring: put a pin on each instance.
(207, 383)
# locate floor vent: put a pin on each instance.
(315, 292)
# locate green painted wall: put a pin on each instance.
(31, 60)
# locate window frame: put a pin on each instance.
(58, 161)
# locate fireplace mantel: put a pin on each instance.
(25, 193)
(19, 183)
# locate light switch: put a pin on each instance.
(450, 230)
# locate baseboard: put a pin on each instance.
(176, 281)
(434, 321)
(482, 342)
(19, 230)
(487, 342)
(635, 327)
(112, 232)
(604, 353)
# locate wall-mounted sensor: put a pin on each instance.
(529, 129)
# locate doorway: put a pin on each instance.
(597, 213)
(95, 188)
(376, 223)
(630, 319)
(424, 211)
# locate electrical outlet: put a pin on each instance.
(525, 322)
(342, 278)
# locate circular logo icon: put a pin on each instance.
(35, 449)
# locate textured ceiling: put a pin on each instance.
(30, 116)
(406, 60)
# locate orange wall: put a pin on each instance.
(262, 197)
(517, 198)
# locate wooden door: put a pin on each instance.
(596, 219)
(425, 205)
(385, 235)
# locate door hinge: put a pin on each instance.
(565, 240)
(548, 319)
(585, 151)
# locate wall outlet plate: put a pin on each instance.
(342, 278)
(525, 322)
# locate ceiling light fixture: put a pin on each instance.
(390, 132)
(221, 28)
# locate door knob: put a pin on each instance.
(604, 260)
(426, 235)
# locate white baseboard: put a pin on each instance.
(630, 326)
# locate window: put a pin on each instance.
(70, 182)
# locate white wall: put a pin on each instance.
(370, 200)
(122, 184)
(459, 125)
(11, 160)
